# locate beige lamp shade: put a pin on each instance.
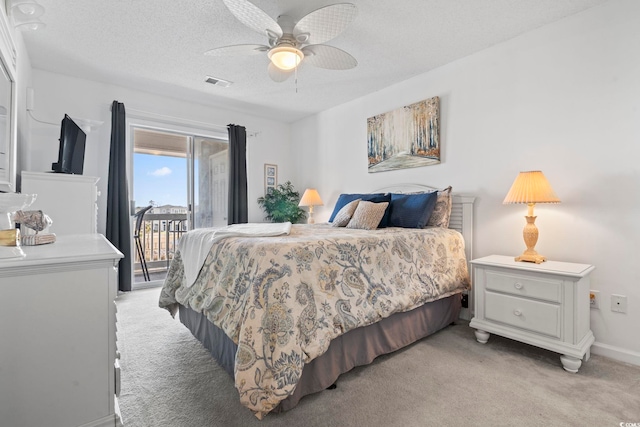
(531, 187)
(310, 198)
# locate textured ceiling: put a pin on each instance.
(158, 46)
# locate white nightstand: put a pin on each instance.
(546, 305)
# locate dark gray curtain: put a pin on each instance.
(238, 208)
(118, 219)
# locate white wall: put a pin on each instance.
(57, 94)
(564, 99)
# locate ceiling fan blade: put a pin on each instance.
(254, 17)
(238, 50)
(278, 75)
(325, 23)
(329, 57)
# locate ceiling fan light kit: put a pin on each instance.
(286, 57)
(289, 42)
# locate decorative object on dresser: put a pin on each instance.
(59, 361)
(9, 237)
(10, 203)
(70, 201)
(36, 221)
(531, 188)
(406, 137)
(310, 198)
(545, 305)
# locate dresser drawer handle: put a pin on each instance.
(517, 312)
(518, 285)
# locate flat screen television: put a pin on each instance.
(71, 152)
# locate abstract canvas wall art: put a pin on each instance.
(406, 137)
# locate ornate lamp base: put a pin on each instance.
(536, 257)
(310, 220)
(530, 234)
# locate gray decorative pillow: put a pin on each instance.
(344, 215)
(368, 215)
(442, 211)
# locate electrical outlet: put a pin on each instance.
(619, 303)
(465, 301)
(594, 299)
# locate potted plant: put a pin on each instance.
(281, 204)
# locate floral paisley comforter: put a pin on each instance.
(283, 299)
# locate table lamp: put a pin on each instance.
(531, 187)
(310, 198)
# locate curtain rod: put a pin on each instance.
(141, 114)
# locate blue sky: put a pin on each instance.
(162, 179)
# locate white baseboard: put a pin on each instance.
(616, 353)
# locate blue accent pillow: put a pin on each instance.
(370, 197)
(411, 210)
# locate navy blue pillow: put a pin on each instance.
(411, 210)
(369, 197)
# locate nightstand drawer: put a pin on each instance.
(535, 316)
(525, 286)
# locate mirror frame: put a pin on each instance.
(8, 56)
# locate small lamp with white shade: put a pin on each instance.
(531, 187)
(310, 198)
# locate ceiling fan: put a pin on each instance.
(289, 43)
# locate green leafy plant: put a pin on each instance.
(281, 204)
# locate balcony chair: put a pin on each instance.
(139, 249)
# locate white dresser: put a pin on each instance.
(546, 305)
(58, 364)
(70, 200)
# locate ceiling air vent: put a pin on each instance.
(218, 82)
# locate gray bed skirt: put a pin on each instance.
(355, 348)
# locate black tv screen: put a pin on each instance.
(71, 152)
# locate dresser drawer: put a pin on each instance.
(526, 286)
(535, 316)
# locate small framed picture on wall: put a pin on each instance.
(270, 177)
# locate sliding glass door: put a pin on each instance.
(184, 178)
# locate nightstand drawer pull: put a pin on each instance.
(517, 312)
(519, 284)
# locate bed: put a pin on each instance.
(285, 316)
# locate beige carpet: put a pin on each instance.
(448, 379)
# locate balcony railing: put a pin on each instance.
(159, 235)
